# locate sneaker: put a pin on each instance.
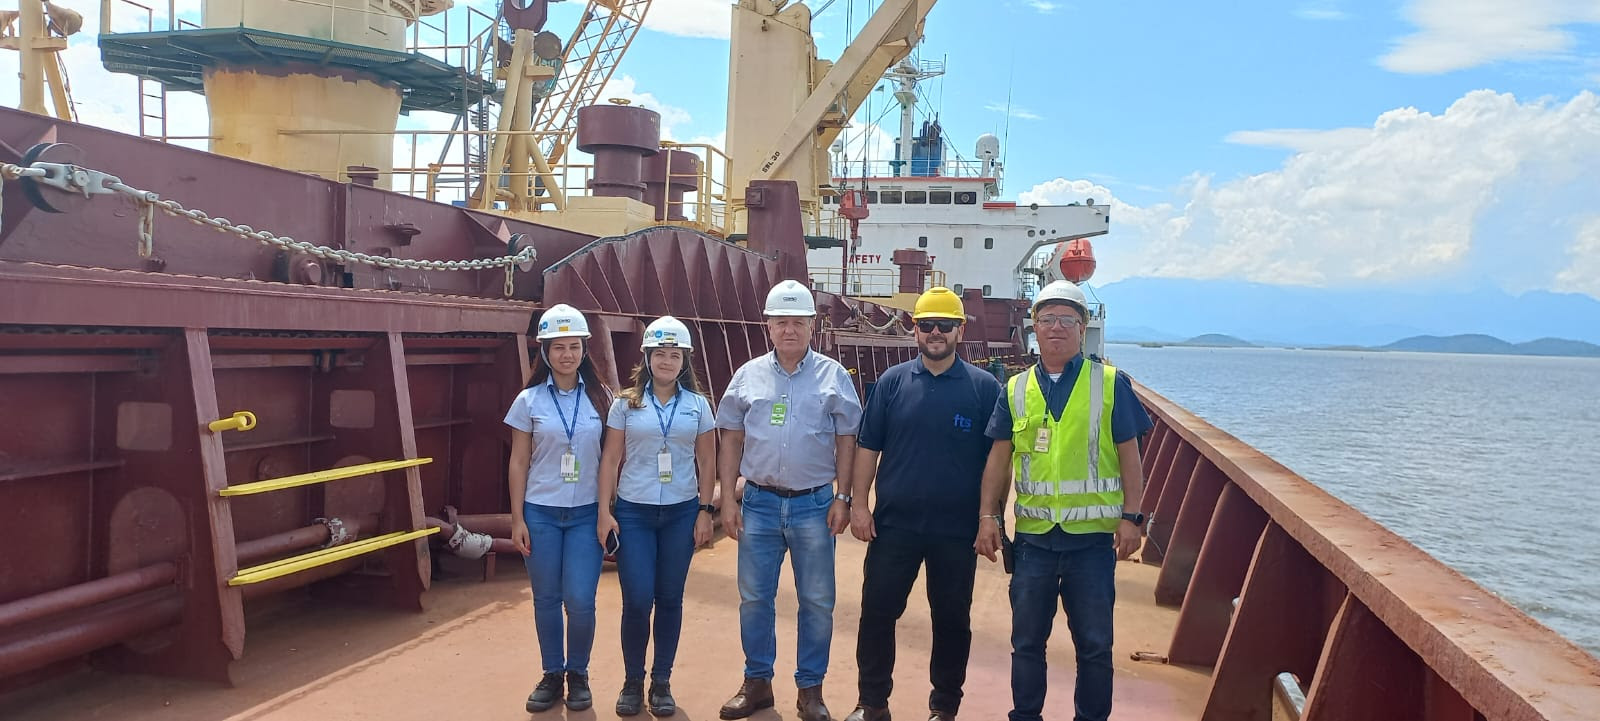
(631, 699)
(661, 702)
(546, 694)
(578, 696)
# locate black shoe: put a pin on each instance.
(546, 695)
(631, 698)
(661, 703)
(578, 696)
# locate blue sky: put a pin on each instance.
(1310, 143)
(1435, 144)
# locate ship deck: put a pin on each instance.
(472, 654)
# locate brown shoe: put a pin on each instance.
(868, 713)
(810, 705)
(754, 695)
(937, 715)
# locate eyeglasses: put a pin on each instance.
(945, 325)
(1057, 321)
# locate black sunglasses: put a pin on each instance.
(945, 325)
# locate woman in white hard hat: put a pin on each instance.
(660, 470)
(557, 423)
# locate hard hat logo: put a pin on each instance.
(666, 332)
(562, 321)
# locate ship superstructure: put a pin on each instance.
(929, 198)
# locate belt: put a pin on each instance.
(786, 493)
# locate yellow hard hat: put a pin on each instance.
(939, 303)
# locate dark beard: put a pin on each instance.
(949, 349)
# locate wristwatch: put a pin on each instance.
(708, 508)
(1136, 519)
(843, 497)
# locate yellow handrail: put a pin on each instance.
(332, 474)
(323, 557)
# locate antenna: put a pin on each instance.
(1005, 137)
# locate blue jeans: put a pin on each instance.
(564, 570)
(652, 566)
(1085, 581)
(773, 525)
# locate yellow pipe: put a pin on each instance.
(332, 474)
(295, 564)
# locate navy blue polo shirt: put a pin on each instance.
(1128, 421)
(930, 431)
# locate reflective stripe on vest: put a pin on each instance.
(1077, 483)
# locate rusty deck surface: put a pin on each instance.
(473, 655)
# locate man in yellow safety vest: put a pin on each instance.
(1066, 436)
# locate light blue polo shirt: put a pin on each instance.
(821, 405)
(641, 432)
(534, 411)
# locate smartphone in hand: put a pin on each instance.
(613, 543)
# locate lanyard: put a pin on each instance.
(672, 413)
(576, 396)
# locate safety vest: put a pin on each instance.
(1076, 482)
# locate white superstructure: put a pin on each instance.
(947, 208)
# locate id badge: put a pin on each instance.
(664, 466)
(780, 412)
(1041, 442)
(569, 468)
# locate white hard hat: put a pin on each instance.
(1062, 290)
(666, 332)
(562, 321)
(790, 298)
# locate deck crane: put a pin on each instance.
(535, 138)
(38, 31)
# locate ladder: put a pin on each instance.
(152, 109)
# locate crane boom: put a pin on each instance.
(592, 54)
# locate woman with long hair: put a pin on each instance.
(660, 469)
(557, 423)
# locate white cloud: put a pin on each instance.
(1583, 274)
(625, 87)
(1016, 111)
(1483, 191)
(1301, 140)
(1043, 6)
(1321, 10)
(1459, 34)
(691, 18)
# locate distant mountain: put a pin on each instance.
(1218, 340)
(1176, 308)
(1469, 343)
(1477, 343)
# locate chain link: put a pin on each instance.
(150, 202)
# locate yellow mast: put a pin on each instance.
(39, 50)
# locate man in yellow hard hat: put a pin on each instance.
(922, 440)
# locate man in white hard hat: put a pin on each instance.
(1066, 435)
(788, 422)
